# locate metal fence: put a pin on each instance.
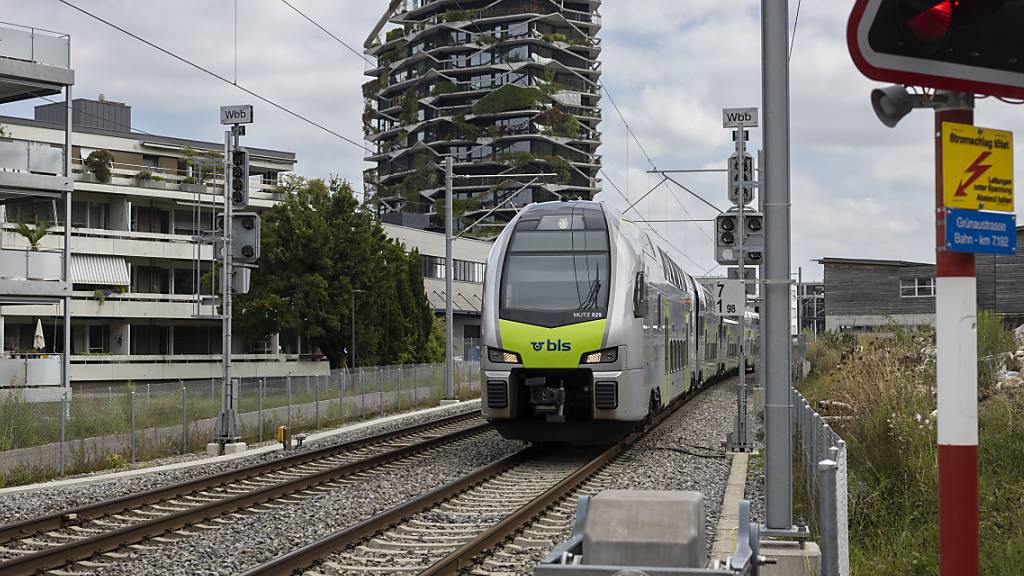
(824, 461)
(98, 427)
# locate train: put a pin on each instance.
(589, 328)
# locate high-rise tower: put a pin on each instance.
(506, 87)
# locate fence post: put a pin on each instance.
(63, 419)
(415, 385)
(380, 382)
(341, 398)
(213, 395)
(110, 399)
(131, 406)
(259, 402)
(184, 417)
(288, 387)
(362, 395)
(401, 368)
(316, 400)
(149, 397)
(827, 518)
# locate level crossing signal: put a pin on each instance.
(240, 178)
(958, 45)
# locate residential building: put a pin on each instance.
(506, 88)
(469, 264)
(141, 294)
(36, 63)
(865, 294)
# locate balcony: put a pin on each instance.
(31, 273)
(33, 62)
(120, 242)
(26, 165)
(172, 184)
(130, 305)
(31, 370)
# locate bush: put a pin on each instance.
(509, 97)
(99, 162)
(994, 341)
(443, 87)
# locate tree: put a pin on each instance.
(318, 246)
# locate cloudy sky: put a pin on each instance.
(858, 189)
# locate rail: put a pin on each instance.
(823, 456)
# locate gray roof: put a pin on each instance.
(871, 262)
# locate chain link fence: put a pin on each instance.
(823, 457)
(100, 427)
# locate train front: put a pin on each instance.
(555, 362)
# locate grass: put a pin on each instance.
(97, 412)
(888, 381)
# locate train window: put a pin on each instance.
(541, 282)
(560, 241)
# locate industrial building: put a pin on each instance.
(505, 88)
(862, 294)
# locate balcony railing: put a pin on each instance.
(30, 156)
(35, 45)
(172, 179)
(30, 370)
(30, 264)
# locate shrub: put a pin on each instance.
(560, 166)
(144, 175)
(34, 234)
(509, 97)
(443, 87)
(394, 34)
(410, 107)
(99, 162)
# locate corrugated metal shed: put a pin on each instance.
(99, 270)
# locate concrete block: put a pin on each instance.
(656, 528)
(234, 447)
(449, 402)
(213, 448)
(790, 558)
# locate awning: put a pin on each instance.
(99, 270)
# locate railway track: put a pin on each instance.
(517, 501)
(91, 537)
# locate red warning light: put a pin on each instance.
(932, 24)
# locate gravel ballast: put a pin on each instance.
(21, 505)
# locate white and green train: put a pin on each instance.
(589, 328)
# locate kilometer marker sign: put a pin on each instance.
(977, 168)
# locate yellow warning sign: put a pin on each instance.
(977, 167)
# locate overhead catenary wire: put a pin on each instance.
(209, 72)
(329, 33)
(796, 21)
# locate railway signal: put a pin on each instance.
(240, 178)
(961, 45)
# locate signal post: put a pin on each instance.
(958, 48)
(238, 250)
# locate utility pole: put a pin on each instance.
(776, 318)
(741, 432)
(353, 353)
(449, 267)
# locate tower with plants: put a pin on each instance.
(507, 88)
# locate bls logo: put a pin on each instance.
(551, 346)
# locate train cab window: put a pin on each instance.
(558, 267)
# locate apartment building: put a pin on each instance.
(140, 281)
(506, 88)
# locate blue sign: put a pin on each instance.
(981, 232)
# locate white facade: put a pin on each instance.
(141, 280)
(470, 258)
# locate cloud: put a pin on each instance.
(858, 188)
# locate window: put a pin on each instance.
(920, 287)
(464, 270)
(150, 161)
(99, 339)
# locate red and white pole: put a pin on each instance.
(956, 316)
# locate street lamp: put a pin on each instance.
(354, 292)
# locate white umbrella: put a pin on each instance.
(39, 342)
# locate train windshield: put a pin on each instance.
(560, 265)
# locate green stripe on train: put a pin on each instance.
(559, 347)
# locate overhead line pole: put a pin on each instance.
(775, 93)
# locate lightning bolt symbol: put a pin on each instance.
(976, 170)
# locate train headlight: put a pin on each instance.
(499, 356)
(600, 356)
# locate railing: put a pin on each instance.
(173, 179)
(35, 45)
(101, 426)
(177, 358)
(31, 264)
(824, 460)
(31, 369)
(30, 156)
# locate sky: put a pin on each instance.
(858, 189)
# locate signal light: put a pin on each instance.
(754, 224)
(728, 238)
(728, 224)
(932, 24)
(240, 178)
